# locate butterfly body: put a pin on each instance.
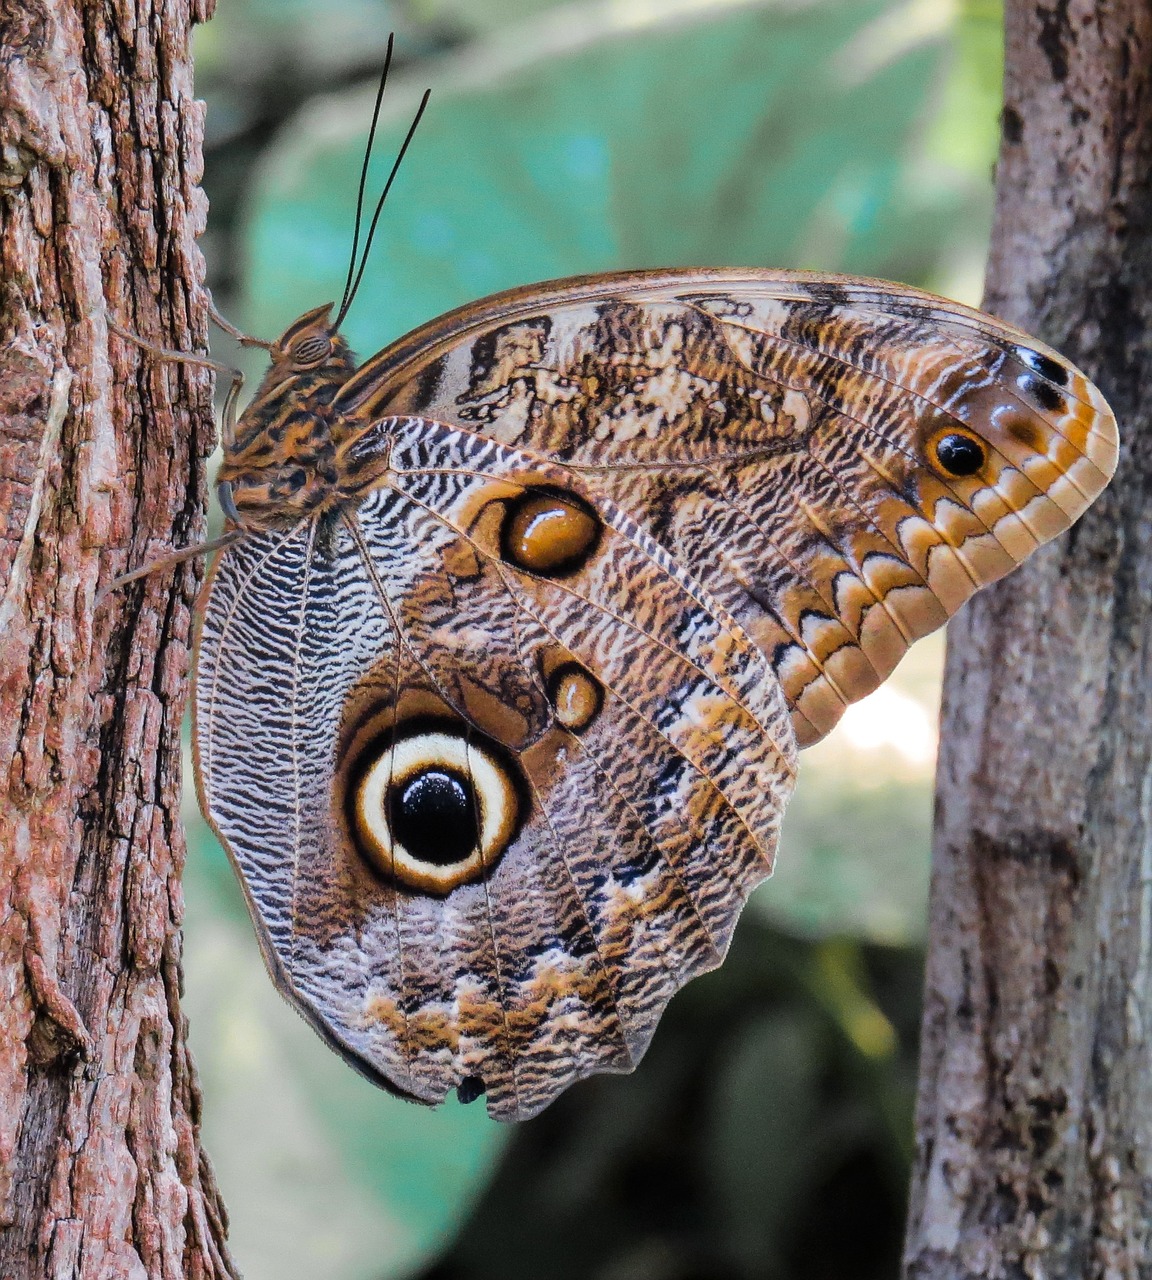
(498, 703)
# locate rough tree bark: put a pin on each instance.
(1035, 1108)
(101, 467)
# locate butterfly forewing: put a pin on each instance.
(780, 434)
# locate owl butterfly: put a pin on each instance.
(501, 680)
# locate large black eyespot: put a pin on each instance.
(434, 815)
(434, 806)
(960, 455)
(311, 349)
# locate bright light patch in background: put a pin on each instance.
(854, 856)
(889, 718)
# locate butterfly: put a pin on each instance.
(521, 622)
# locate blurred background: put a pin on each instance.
(768, 1132)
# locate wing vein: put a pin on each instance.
(353, 526)
(890, 382)
(709, 608)
(615, 692)
(293, 720)
(226, 626)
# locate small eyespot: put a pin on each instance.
(959, 454)
(434, 810)
(1044, 365)
(549, 533)
(575, 695)
(1024, 428)
(311, 349)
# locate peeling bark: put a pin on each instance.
(101, 469)
(1035, 1109)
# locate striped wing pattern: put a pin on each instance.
(774, 432)
(642, 835)
(572, 571)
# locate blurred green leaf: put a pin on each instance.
(611, 135)
(474, 17)
(766, 1104)
(839, 981)
(854, 857)
(248, 39)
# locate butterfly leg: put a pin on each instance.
(170, 562)
(228, 430)
(244, 339)
(228, 416)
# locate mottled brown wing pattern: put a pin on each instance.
(623, 752)
(499, 691)
(783, 436)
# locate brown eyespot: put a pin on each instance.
(576, 696)
(311, 349)
(959, 454)
(432, 809)
(549, 532)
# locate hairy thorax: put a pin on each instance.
(282, 464)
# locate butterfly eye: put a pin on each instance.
(311, 349)
(435, 810)
(959, 454)
(549, 533)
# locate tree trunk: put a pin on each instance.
(1035, 1108)
(101, 469)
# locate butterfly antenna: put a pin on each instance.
(364, 172)
(348, 300)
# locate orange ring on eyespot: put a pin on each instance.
(958, 454)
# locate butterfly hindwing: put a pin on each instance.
(486, 645)
(782, 435)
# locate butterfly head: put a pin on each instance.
(281, 462)
(281, 465)
(311, 346)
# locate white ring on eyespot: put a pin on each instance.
(495, 795)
